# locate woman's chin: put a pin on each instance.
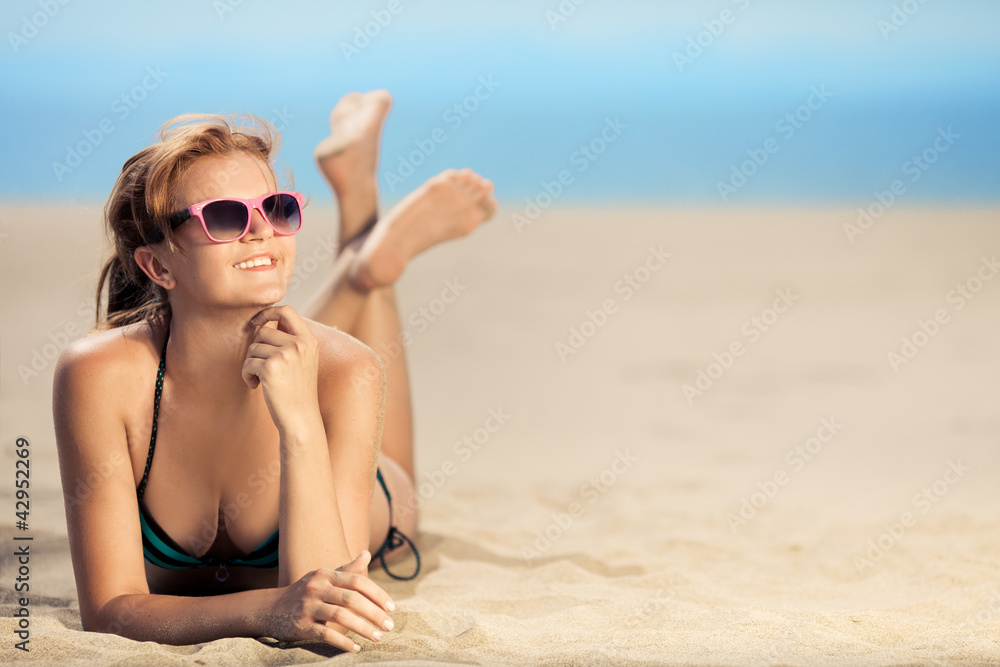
(266, 299)
(260, 299)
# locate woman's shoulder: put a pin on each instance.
(342, 354)
(98, 382)
(110, 355)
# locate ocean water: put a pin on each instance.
(642, 102)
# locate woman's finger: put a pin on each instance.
(359, 564)
(354, 604)
(335, 639)
(362, 596)
(348, 619)
(358, 580)
(273, 337)
(252, 370)
(364, 585)
(264, 350)
(286, 317)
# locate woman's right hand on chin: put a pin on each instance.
(345, 596)
(283, 360)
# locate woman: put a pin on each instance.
(263, 421)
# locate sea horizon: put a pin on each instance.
(728, 102)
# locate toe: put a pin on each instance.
(489, 205)
(382, 95)
(475, 181)
(481, 183)
(349, 100)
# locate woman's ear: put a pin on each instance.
(152, 267)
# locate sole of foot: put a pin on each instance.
(348, 158)
(447, 206)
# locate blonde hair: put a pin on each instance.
(142, 200)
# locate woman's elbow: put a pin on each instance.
(115, 617)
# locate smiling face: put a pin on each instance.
(253, 271)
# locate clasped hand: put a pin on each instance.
(344, 596)
(284, 361)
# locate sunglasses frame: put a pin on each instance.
(197, 211)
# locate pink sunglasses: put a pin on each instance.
(228, 219)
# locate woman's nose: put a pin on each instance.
(260, 228)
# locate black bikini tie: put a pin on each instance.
(394, 539)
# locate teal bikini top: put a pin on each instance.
(159, 548)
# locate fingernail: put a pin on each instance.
(390, 605)
(356, 648)
(388, 624)
(377, 635)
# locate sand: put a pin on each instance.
(818, 503)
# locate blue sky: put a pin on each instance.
(897, 73)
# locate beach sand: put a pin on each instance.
(817, 503)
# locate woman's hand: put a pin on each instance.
(345, 596)
(284, 360)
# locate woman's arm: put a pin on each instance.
(352, 400)
(102, 514)
(330, 428)
(316, 607)
(170, 619)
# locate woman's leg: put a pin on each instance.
(348, 158)
(359, 297)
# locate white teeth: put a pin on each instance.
(260, 261)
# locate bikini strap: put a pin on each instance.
(395, 538)
(156, 414)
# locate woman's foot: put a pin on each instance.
(348, 158)
(447, 206)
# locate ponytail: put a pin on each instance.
(128, 301)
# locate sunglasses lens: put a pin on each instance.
(225, 219)
(284, 213)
